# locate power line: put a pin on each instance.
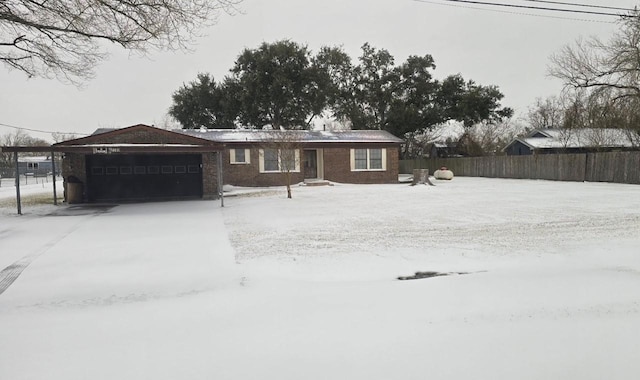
(581, 5)
(41, 131)
(513, 13)
(536, 8)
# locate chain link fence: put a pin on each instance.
(28, 179)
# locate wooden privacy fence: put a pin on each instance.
(619, 167)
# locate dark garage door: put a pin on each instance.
(144, 177)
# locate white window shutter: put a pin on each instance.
(353, 159)
(261, 160)
(384, 159)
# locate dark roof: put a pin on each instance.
(164, 141)
(252, 135)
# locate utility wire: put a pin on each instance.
(581, 5)
(513, 13)
(41, 131)
(536, 8)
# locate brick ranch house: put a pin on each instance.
(254, 157)
(142, 162)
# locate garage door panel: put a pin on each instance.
(141, 177)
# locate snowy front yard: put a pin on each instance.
(270, 288)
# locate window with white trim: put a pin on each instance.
(271, 160)
(369, 159)
(240, 156)
(279, 160)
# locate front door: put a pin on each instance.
(310, 164)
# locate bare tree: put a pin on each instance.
(607, 73)
(492, 137)
(17, 138)
(281, 151)
(546, 113)
(167, 122)
(417, 143)
(629, 118)
(62, 136)
(596, 64)
(63, 38)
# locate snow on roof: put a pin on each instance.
(124, 145)
(251, 135)
(34, 159)
(579, 138)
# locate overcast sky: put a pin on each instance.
(491, 47)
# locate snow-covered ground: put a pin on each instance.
(270, 288)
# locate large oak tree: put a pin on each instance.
(284, 86)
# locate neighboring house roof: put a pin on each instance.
(251, 135)
(35, 159)
(103, 130)
(577, 138)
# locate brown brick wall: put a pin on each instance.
(337, 168)
(74, 164)
(209, 176)
(249, 174)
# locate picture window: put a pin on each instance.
(279, 160)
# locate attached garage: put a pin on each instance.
(141, 163)
(143, 177)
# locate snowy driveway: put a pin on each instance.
(305, 288)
